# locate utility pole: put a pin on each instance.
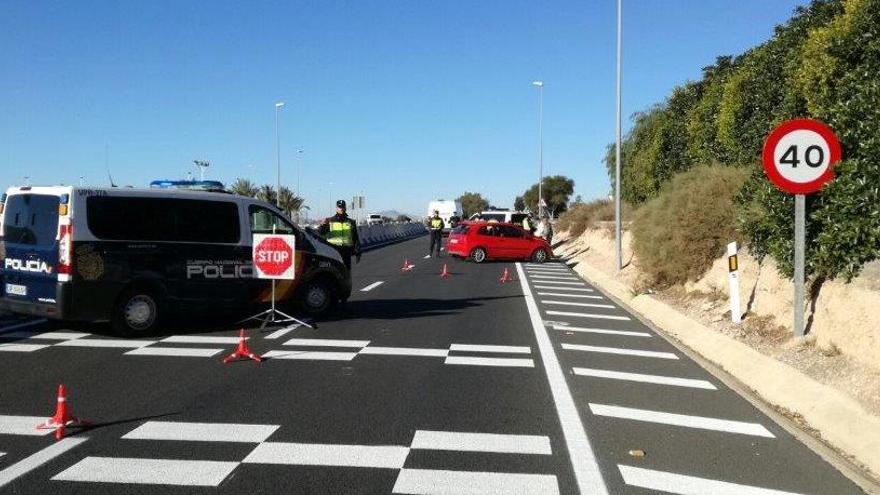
(277, 157)
(540, 86)
(618, 248)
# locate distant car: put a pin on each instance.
(479, 241)
(375, 219)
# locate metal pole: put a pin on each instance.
(799, 241)
(617, 222)
(277, 159)
(540, 150)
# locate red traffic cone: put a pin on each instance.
(62, 417)
(505, 277)
(242, 351)
(406, 266)
(445, 273)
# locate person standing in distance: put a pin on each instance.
(435, 226)
(341, 232)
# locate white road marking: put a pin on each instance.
(427, 256)
(557, 282)
(60, 335)
(579, 304)
(39, 458)
(313, 454)
(699, 422)
(547, 270)
(544, 278)
(688, 485)
(583, 459)
(437, 482)
(405, 351)
(589, 315)
(148, 471)
(21, 325)
(618, 350)
(512, 349)
(311, 355)
(372, 286)
(327, 343)
(202, 432)
(564, 288)
(561, 294)
(121, 343)
(22, 347)
(174, 352)
(487, 361)
(199, 339)
(481, 442)
(22, 425)
(282, 332)
(638, 377)
(599, 331)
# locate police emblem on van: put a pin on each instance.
(36, 266)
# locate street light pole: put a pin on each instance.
(617, 222)
(540, 86)
(277, 157)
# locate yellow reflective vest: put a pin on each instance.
(436, 223)
(340, 234)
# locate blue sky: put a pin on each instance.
(405, 101)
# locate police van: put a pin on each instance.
(136, 256)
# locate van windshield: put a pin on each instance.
(31, 219)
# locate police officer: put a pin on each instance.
(341, 232)
(435, 226)
(527, 224)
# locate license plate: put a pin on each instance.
(18, 290)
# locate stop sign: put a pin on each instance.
(273, 256)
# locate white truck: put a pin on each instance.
(447, 210)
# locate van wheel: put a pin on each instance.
(478, 255)
(136, 314)
(317, 297)
(539, 256)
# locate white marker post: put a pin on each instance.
(733, 279)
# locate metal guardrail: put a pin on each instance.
(376, 236)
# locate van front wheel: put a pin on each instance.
(136, 314)
(317, 297)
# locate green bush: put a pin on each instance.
(583, 216)
(678, 234)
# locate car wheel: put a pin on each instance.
(317, 297)
(539, 256)
(478, 255)
(137, 313)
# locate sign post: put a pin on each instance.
(273, 258)
(798, 157)
(733, 279)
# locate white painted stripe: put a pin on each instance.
(311, 355)
(688, 485)
(562, 294)
(437, 482)
(121, 343)
(481, 442)
(327, 343)
(512, 349)
(600, 331)
(548, 270)
(589, 315)
(575, 289)
(637, 377)
(201, 432)
(148, 471)
(404, 351)
(557, 282)
(618, 350)
(699, 422)
(21, 325)
(314, 454)
(2, 454)
(60, 335)
(372, 286)
(39, 458)
(22, 347)
(22, 425)
(582, 305)
(282, 332)
(580, 453)
(545, 279)
(174, 352)
(487, 361)
(199, 339)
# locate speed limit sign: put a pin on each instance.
(799, 156)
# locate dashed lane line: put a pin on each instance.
(544, 278)
(307, 454)
(687, 421)
(405, 351)
(603, 331)
(39, 458)
(490, 361)
(687, 485)
(22, 425)
(557, 282)
(148, 471)
(589, 315)
(119, 343)
(201, 339)
(328, 343)
(511, 349)
(638, 377)
(372, 286)
(202, 432)
(481, 442)
(573, 289)
(174, 351)
(621, 351)
(311, 355)
(578, 304)
(583, 460)
(562, 294)
(429, 481)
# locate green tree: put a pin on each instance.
(266, 193)
(289, 202)
(556, 190)
(472, 202)
(519, 204)
(244, 187)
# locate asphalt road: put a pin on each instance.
(420, 385)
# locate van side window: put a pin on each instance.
(130, 218)
(263, 220)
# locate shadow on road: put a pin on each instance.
(395, 309)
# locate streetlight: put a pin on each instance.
(277, 157)
(298, 165)
(617, 223)
(540, 86)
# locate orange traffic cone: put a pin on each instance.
(62, 417)
(406, 266)
(505, 277)
(242, 351)
(445, 273)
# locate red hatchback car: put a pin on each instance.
(480, 241)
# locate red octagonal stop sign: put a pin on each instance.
(273, 256)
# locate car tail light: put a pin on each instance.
(64, 247)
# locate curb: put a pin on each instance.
(840, 421)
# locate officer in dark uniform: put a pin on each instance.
(435, 226)
(341, 232)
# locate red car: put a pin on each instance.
(480, 241)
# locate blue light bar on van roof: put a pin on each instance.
(64, 199)
(199, 185)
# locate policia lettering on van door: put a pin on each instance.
(435, 225)
(341, 232)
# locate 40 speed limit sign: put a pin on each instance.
(799, 156)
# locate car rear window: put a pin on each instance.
(31, 219)
(493, 216)
(461, 229)
(121, 218)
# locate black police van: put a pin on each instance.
(134, 256)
